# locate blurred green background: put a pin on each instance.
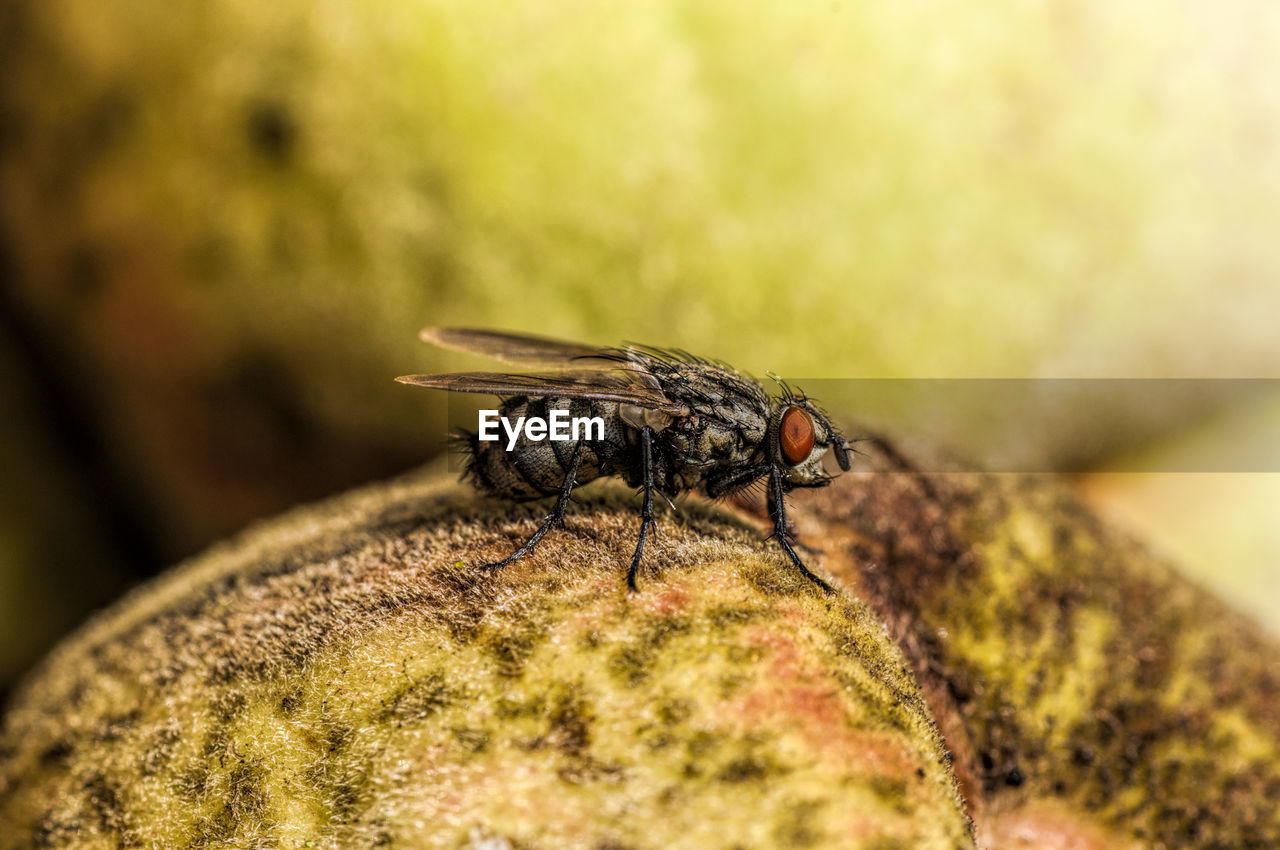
(222, 224)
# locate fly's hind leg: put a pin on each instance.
(778, 513)
(646, 510)
(556, 515)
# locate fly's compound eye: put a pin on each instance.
(795, 436)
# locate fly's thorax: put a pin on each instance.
(706, 443)
(722, 399)
(728, 420)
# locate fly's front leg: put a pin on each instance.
(778, 513)
(750, 501)
(646, 510)
(556, 515)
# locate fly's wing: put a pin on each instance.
(590, 372)
(619, 386)
(517, 349)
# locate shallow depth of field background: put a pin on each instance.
(223, 223)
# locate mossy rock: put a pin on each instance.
(343, 676)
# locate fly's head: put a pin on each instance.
(799, 437)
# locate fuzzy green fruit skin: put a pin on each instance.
(1080, 681)
(344, 676)
(340, 672)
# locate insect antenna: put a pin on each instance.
(849, 445)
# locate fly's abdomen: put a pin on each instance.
(534, 469)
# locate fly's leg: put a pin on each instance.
(646, 510)
(556, 515)
(737, 486)
(778, 513)
(757, 506)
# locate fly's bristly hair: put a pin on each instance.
(463, 441)
(674, 423)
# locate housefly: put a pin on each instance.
(672, 423)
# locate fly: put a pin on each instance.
(672, 423)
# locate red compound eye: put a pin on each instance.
(795, 436)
